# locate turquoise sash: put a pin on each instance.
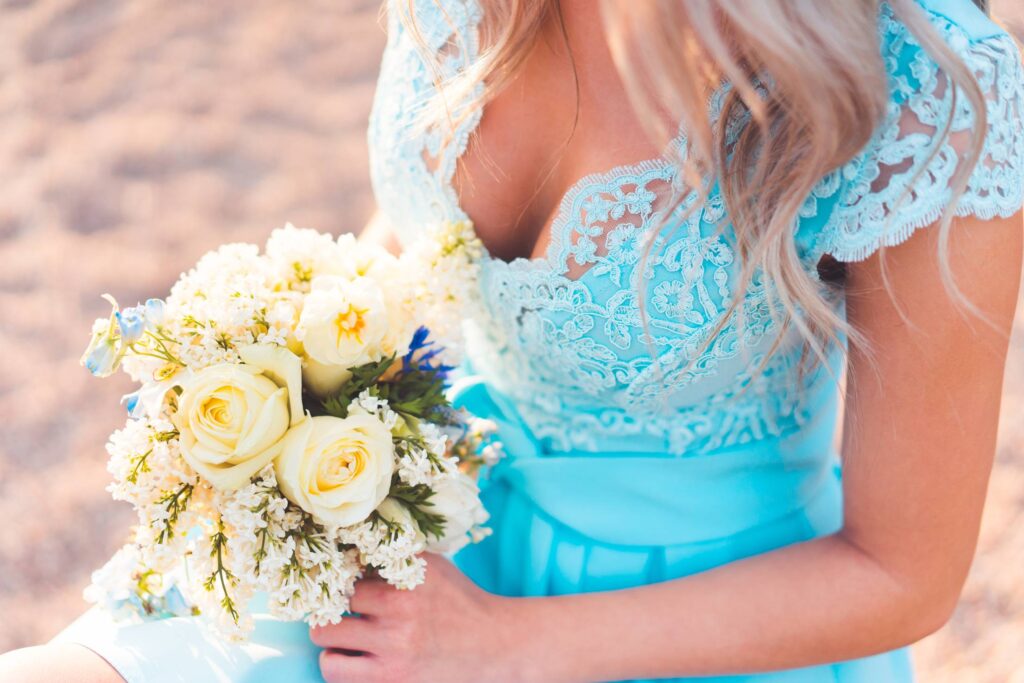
(648, 499)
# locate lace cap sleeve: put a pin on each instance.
(903, 179)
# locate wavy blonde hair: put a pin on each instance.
(829, 93)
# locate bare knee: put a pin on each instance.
(56, 663)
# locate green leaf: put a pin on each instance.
(416, 499)
(363, 377)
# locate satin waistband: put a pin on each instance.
(640, 499)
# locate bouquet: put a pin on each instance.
(291, 432)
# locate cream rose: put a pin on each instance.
(397, 513)
(457, 499)
(343, 325)
(233, 417)
(337, 469)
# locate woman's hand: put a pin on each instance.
(448, 630)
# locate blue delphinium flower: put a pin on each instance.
(131, 402)
(135, 321)
(132, 324)
(154, 312)
(419, 340)
(422, 351)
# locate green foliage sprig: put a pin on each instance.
(413, 391)
(363, 377)
(415, 499)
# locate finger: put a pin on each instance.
(437, 560)
(338, 667)
(351, 633)
(371, 597)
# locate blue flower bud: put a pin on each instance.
(154, 312)
(105, 350)
(102, 358)
(131, 402)
(132, 323)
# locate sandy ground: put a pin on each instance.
(134, 136)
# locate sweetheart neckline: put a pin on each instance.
(560, 221)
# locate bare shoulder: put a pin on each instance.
(908, 281)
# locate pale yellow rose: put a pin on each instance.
(337, 469)
(233, 417)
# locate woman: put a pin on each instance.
(659, 343)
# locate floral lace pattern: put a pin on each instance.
(904, 180)
(412, 181)
(602, 339)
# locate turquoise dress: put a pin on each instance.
(643, 448)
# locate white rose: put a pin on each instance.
(397, 513)
(337, 469)
(232, 417)
(343, 325)
(457, 499)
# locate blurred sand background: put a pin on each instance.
(134, 136)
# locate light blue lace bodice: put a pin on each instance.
(563, 335)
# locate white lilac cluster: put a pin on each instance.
(291, 430)
(218, 305)
(453, 256)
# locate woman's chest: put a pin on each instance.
(565, 116)
(608, 288)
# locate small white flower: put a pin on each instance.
(492, 453)
(297, 256)
(365, 259)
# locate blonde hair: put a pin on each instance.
(828, 94)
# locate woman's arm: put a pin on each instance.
(919, 439)
(920, 430)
